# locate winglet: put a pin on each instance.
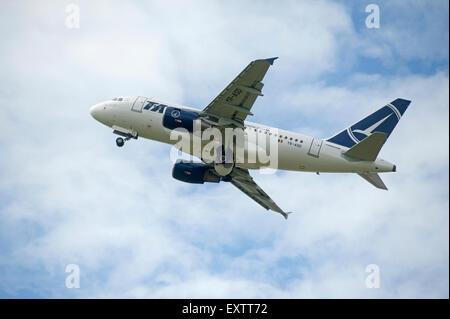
(270, 60)
(285, 215)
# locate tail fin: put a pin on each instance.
(383, 121)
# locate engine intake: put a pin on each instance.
(193, 172)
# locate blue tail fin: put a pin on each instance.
(384, 120)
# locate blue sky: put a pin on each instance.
(68, 195)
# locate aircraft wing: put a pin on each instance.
(233, 104)
(241, 179)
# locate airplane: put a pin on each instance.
(355, 149)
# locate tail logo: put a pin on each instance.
(368, 131)
(383, 120)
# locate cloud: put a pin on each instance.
(68, 195)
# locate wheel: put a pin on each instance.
(120, 141)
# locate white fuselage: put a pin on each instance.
(296, 152)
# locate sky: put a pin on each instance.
(69, 196)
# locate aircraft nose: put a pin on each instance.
(94, 110)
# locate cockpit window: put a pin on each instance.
(117, 99)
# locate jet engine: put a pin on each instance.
(193, 172)
(175, 117)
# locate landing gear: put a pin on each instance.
(224, 162)
(126, 135)
(120, 141)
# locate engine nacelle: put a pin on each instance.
(193, 172)
(175, 117)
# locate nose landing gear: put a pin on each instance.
(120, 141)
(126, 133)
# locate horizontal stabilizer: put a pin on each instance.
(374, 179)
(368, 148)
